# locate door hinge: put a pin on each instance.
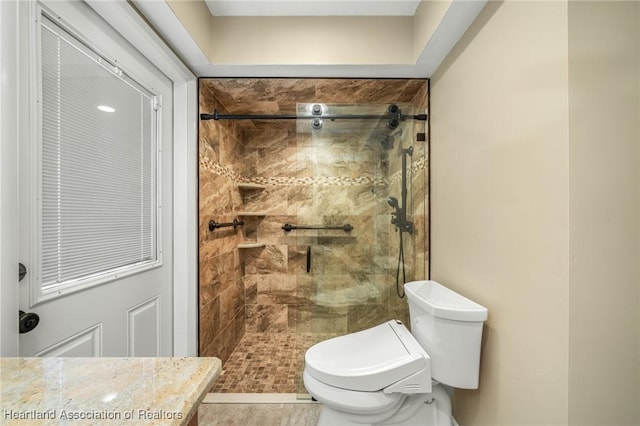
(22, 271)
(157, 103)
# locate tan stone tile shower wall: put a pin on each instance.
(222, 307)
(341, 179)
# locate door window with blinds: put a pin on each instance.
(98, 203)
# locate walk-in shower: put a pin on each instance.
(322, 175)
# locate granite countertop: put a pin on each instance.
(103, 391)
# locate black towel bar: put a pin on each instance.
(213, 225)
(346, 227)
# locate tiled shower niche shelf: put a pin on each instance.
(251, 244)
(254, 186)
(252, 213)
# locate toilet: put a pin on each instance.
(388, 375)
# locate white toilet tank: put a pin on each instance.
(449, 328)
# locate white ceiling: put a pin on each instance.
(312, 7)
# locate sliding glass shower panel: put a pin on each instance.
(347, 247)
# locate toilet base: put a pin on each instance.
(329, 417)
(430, 413)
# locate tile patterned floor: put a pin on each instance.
(261, 363)
(267, 363)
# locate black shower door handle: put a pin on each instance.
(308, 259)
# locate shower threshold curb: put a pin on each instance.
(257, 398)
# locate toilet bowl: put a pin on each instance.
(389, 375)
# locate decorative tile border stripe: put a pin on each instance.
(416, 166)
(220, 170)
(317, 181)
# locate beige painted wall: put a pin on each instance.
(312, 40)
(535, 208)
(297, 40)
(195, 17)
(500, 205)
(604, 136)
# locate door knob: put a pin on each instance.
(28, 321)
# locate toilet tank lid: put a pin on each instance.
(442, 302)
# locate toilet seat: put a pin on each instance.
(356, 402)
(372, 360)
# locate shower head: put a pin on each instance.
(393, 202)
(387, 142)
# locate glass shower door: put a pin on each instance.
(346, 246)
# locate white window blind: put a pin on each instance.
(98, 188)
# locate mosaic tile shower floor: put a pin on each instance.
(267, 363)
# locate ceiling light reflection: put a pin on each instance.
(106, 108)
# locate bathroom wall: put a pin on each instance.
(604, 139)
(328, 177)
(499, 234)
(221, 286)
(306, 39)
(534, 160)
(285, 39)
(195, 16)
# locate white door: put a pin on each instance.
(95, 190)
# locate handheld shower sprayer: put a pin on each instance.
(393, 203)
(399, 219)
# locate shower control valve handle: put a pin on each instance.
(408, 227)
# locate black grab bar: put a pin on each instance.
(346, 227)
(213, 225)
